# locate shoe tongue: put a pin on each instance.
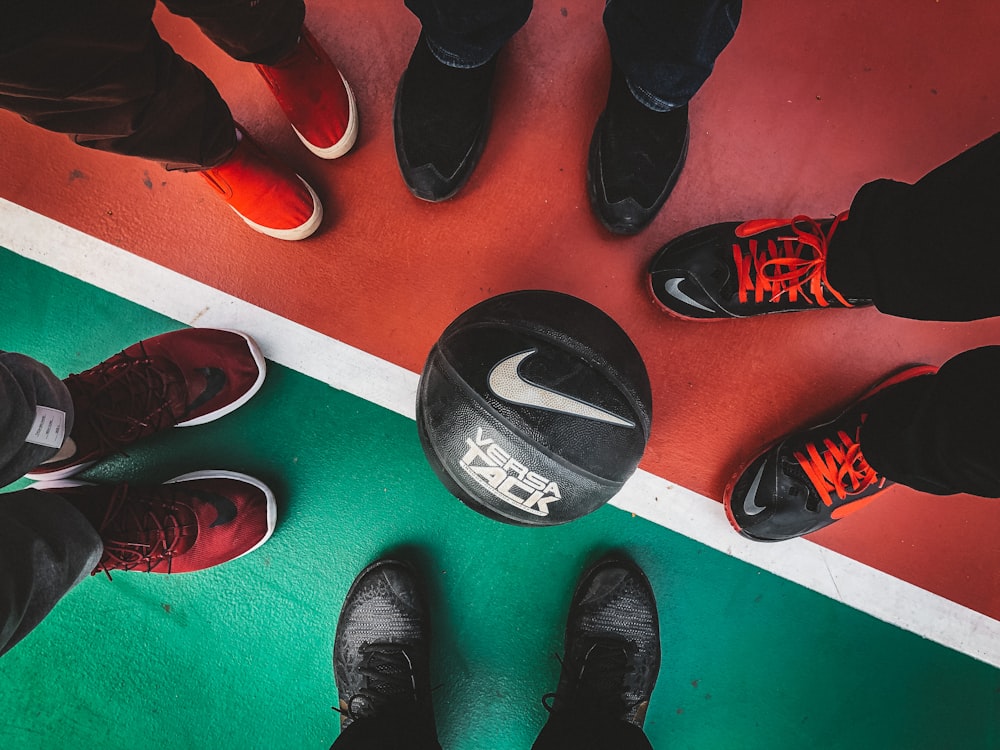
(600, 684)
(146, 526)
(127, 400)
(388, 680)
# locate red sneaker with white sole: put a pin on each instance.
(267, 195)
(178, 379)
(190, 523)
(315, 98)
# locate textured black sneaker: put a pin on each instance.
(636, 156)
(812, 478)
(612, 645)
(440, 122)
(381, 653)
(734, 270)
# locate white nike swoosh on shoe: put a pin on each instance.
(673, 288)
(506, 382)
(750, 506)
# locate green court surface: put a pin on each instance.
(240, 656)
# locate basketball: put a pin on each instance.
(533, 408)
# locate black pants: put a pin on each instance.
(98, 71)
(46, 548)
(666, 48)
(563, 731)
(930, 251)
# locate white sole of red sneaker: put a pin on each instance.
(346, 142)
(258, 358)
(272, 506)
(60, 473)
(306, 229)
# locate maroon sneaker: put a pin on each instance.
(177, 379)
(315, 98)
(192, 522)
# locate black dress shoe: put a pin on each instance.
(636, 156)
(440, 122)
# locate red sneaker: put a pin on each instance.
(315, 98)
(192, 522)
(181, 378)
(268, 196)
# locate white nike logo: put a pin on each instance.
(750, 506)
(673, 288)
(506, 382)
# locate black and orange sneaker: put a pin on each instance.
(612, 645)
(812, 478)
(734, 270)
(381, 652)
(178, 379)
(195, 521)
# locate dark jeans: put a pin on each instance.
(46, 548)
(563, 731)
(97, 70)
(929, 251)
(666, 48)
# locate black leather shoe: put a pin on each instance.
(636, 156)
(440, 122)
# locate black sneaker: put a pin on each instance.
(381, 654)
(735, 270)
(810, 479)
(612, 645)
(440, 122)
(636, 156)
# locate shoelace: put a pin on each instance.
(598, 686)
(137, 534)
(388, 677)
(130, 398)
(779, 269)
(839, 469)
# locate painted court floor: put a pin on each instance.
(881, 632)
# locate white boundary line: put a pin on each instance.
(346, 368)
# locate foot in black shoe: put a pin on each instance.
(612, 645)
(381, 653)
(636, 156)
(735, 270)
(440, 121)
(810, 479)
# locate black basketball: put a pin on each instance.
(534, 408)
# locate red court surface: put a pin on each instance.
(809, 101)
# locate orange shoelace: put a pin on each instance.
(779, 269)
(839, 469)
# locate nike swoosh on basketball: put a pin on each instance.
(673, 288)
(750, 506)
(215, 381)
(225, 509)
(506, 382)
